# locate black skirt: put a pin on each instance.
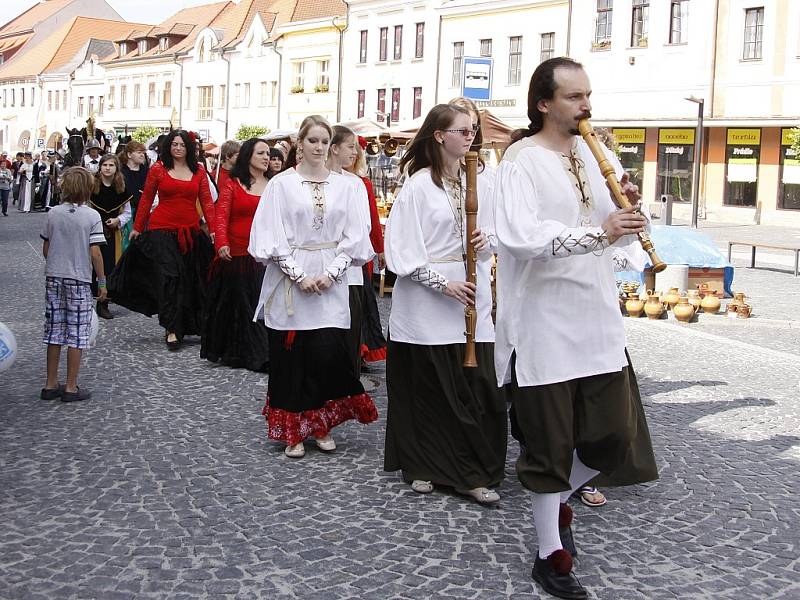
(230, 335)
(153, 277)
(373, 344)
(446, 423)
(312, 387)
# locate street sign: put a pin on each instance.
(40, 142)
(109, 136)
(477, 84)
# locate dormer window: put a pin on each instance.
(142, 46)
(123, 48)
(163, 44)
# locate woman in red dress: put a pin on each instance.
(230, 335)
(164, 272)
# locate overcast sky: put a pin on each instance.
(137, 11)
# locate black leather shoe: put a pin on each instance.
(554, 574)
(565, 529)
(103, 312)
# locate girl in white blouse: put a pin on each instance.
(308, 230)
(446, 424)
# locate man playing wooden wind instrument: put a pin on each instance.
(560, 346)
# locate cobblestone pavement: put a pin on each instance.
(165, 486)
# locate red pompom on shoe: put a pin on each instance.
(564, 516)
(561, 562)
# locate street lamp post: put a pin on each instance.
(698, 155)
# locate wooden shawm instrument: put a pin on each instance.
(619, 198)
(471, 209)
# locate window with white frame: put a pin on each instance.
(362, 48)
(486, 47)
(264, 95)
(166, 94)
(273, 94)
(137, 94)
(22, 96)
(417, 102)
(323, 79)
(112, 96)
(205, 102)
(362, 94)
(57, 95)
(602, 24)
(679, 21)
(50, 100)
(91, 106)
(80, 106)
(101, 106)
(223, 96)
(419, 43)
(63, 100)
(383, 43)
(514, 60)
(753, 33)
(298, 75)
(151, 94)
(246, 103)
(187, 97)
(237, 95)
(398, 42)
(548, 46)
(639, 17)
(458, 64)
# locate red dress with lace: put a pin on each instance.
(177, 204)
(234, 217)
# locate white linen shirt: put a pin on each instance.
(282, 226)
(557, 310)
(355, 274)
(421, 230)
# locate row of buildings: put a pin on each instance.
(215, 67)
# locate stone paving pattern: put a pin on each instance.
(165, 486)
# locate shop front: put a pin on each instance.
(675, 164)
(742, 157)
(789, 178)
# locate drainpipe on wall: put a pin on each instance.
(438, 60)
(341, 60)
(180, 93)
(280, 78)
(707, 141)
(569, 27)
(227, 93)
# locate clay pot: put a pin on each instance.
(710, 303)
(683, 311)
(703, 288)
(731, 309)
(671, 297)
(738, 299)
(693, 296)
(653, 308)
(634, 306)
(743, 311)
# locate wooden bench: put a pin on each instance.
(754, 245)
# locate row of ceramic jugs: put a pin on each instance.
(683, 306)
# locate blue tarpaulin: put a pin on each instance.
(685, 246)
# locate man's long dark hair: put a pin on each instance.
(424, 151)
(191, 150)
(241, 168)
(542, 87)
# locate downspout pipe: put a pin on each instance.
(438, 60)
(569, 27)
(341, 61)
(180, 93)
(227, 93)
(280, 78)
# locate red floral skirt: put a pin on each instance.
(292, 427)
(312, 385)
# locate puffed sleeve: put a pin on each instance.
(222, 210)
(151, 184)
(486, 210)
(375, 232)
(404, 243)
(206, 200)
(354, 248)
(268, 240)
(519, 228)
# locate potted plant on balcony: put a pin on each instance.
(601, 44)
(297, 89)
(321, 88)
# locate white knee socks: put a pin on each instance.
(545, 518)
(546, 507)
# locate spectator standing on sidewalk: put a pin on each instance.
(227, 159)
(6, 178)
(72, 236)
